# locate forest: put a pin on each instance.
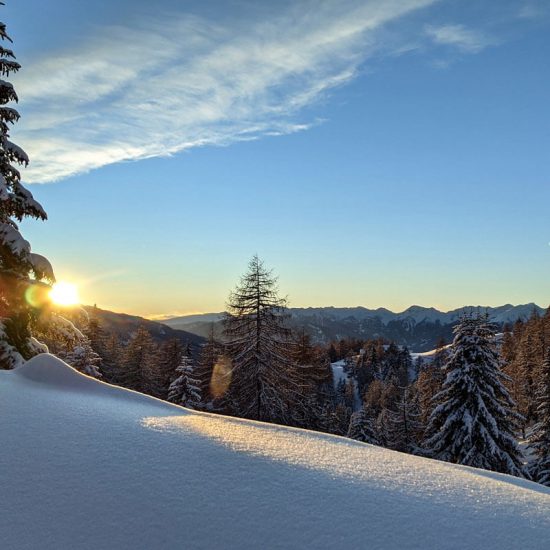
(481, 400)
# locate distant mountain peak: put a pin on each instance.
(419, 328)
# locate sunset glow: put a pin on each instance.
(64, 294)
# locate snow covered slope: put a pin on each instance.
(87, 465)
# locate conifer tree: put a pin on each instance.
(524, 372)
(185, 390)
(313, 373)
(404, 426)
(110, 366)
(135, 357)
(362, 426)
(17, 261)
(428, 384)
(84, 359)
(473, 423)
(540, 441)
(95, 333)
(338, 419)
(265, 383)
(208, 359)
(159, 371)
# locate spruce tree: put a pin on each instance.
(265, 383)
(110, 366)
(158, 372)
(473, 423)
(184, 390)
(428, 385)
(404, 426)
(135, 358)
(313, 373)
(84, 359)
(540, 440)
(18, 303)
(208, 359)
(362, 426)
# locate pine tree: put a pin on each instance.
(404, 426)
(362, 426)
(84, 359)
(313, 373)
(111, 360)
(134, 359)
(524, 370)
(265, 383)
(185, 390)
(20, 294)
(158, 372)
(204, 370)
(473, 423)
(338, 419)
(540, 441)
(95, 333)
(367, 367)
(428, 384)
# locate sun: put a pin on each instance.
(64, 294)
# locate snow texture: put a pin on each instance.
(85, 465)
(42, 266)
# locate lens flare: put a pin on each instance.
(221, 377)
(37, 295)
(64, 294)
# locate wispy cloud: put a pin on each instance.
(158, 87)
(534, 9)
(466, 40)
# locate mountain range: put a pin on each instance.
(418, 328)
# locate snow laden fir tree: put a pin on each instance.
(185, 389)
(473, 422)
(24, 276)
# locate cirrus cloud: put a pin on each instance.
(157, 87)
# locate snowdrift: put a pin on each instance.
(87, 465)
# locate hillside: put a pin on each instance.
(86, 465)
(418, 328)
(123, 325)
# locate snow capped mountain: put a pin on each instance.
(86, 465)
(418, 328)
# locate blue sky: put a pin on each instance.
(373, 153)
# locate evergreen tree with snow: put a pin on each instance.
(135, 358)
(84, 359)
(362, 426)
(266, 384)
(404, 426)
(20, 269)
(185, 388)
(111, 359)
(95, 333)
(474, 422)
(540, 440)
(159, 369)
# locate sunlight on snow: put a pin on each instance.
(349, 460)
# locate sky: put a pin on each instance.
(372, 153)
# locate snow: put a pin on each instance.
(42, 266)
(13, 239)
(85, 465)
(16, 151)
